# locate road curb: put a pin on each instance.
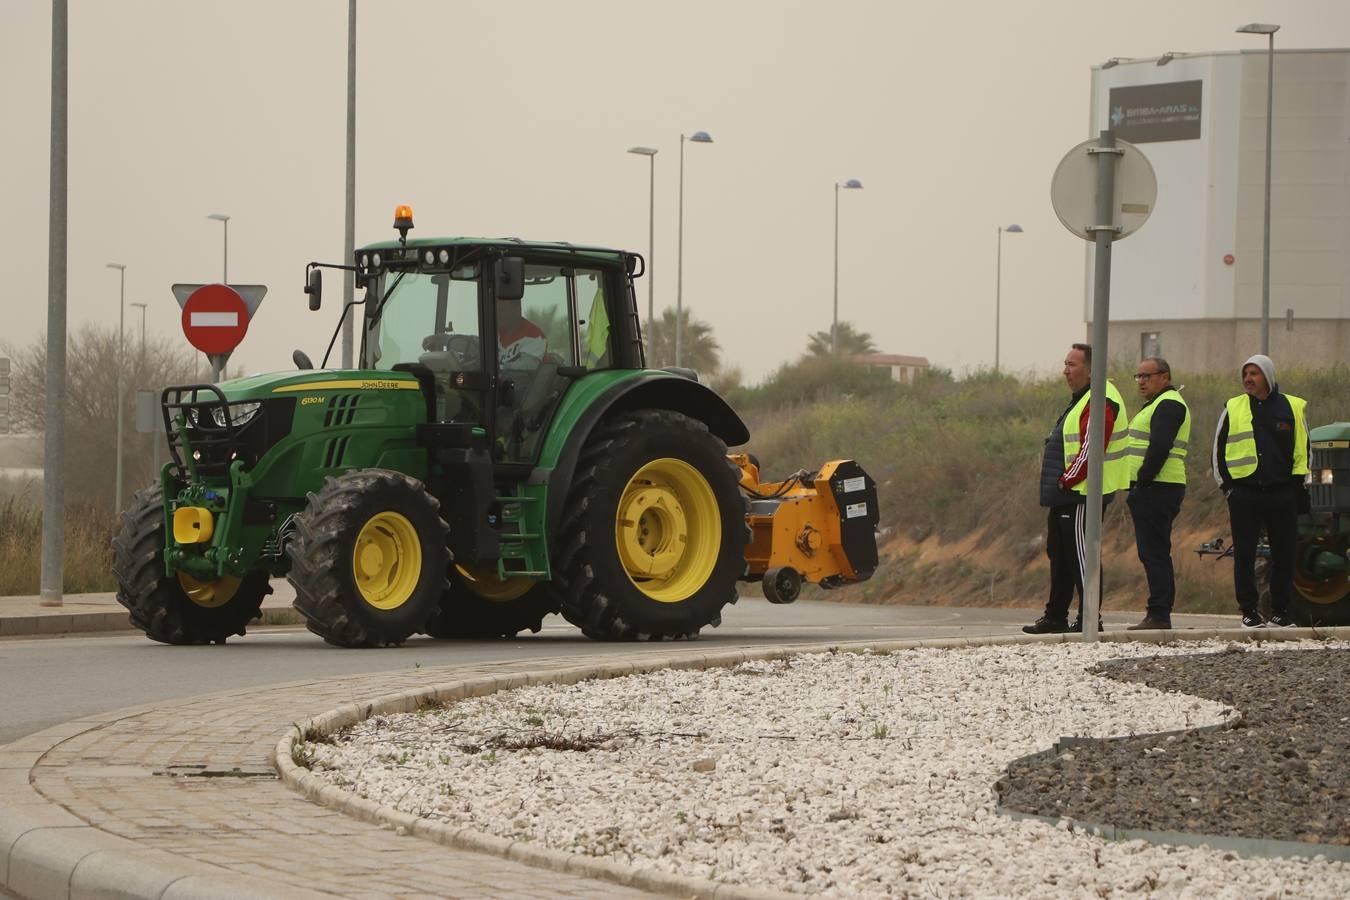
(304, 781)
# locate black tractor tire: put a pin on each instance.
(467, 611)
(159, 605)
(597, 593)
(397, 527)
(1318, 601)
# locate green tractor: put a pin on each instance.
(1322, 564)
(501, 454)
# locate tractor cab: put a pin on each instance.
(496, 330)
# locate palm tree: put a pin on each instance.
(699, 350)
(849, 343)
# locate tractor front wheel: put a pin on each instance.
(176, 609)
(653, 538)
(482, 605)
(369, 559)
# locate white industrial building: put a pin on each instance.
(1187, 285)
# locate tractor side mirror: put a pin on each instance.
(510, 278)
(314, 288)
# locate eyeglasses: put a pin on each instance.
(1145, 376)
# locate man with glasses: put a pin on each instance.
(1160, 435)
(1260, 462)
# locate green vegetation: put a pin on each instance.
(957, 465)
(89, 530)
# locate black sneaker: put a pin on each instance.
(1047, 625)
(1253, 620)
(1077, 626)
(1280, 620)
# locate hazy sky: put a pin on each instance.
(512, 117)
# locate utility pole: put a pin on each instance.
(54, 431)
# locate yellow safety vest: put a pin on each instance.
(1239, 453)
(1116, 471)
(1173, 470)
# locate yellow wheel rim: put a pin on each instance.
(387, 560)
(668, 530)
(209, 594)
(486, 583)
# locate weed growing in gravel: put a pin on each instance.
(302, 755)
(880, 730)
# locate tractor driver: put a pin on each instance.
(521, 344)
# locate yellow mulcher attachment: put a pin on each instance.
(818, 527)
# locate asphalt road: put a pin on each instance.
(47, 681)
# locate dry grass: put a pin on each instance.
(957, 466)
(88, 533)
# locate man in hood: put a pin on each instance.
(1260, 462)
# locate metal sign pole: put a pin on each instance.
(1103, 233)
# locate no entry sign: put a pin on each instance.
(215, 318)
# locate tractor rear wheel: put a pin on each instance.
(369, 559)
(1321, 595)
(479, 604)
(176, 609)
(653, 537)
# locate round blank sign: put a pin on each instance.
(1073, 191)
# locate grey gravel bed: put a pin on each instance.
(846, 775)
(1279, 772)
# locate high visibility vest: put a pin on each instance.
(1173, 470)
(1239, 453)
(1116, 471)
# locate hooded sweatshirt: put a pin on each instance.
(1273, 428)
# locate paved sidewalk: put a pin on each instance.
(180, 800)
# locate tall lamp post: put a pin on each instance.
(1269, 32)
(141, 307)
(698, 137)
(855, 185)
(225, 264)
(650, 153)
(998, 288)
(121, 364)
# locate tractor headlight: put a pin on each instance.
(375, 260)
(445, 257)
(1328, 476)
(240, 413)
(365, 260)
(430, 257)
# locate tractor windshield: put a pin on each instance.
(430, 318)
(427, 318)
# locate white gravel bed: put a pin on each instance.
(845, 774)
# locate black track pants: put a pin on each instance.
(1065, 544)
(1249, 510)
(1153, 507)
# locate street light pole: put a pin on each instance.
(650, 153)
(349, 233)
(998, 289)
(225, 265)
(1269, 32)
(851, 184)
(51, 584)
(142, 306)
(698, 137)
(121, 364)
